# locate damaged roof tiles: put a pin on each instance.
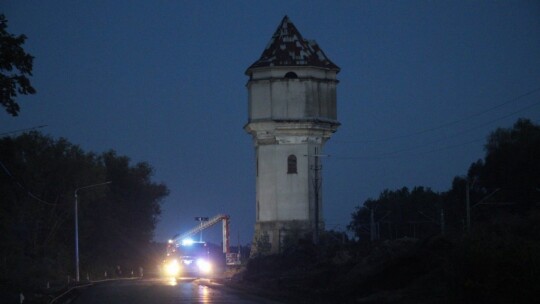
(287, 47)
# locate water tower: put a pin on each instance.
(292, 113)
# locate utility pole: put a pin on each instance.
(468, 201)
(467, 206)
(372, 224)
(316, 185)
(317, 168)
(442, 221)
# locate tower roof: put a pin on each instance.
(287, 47)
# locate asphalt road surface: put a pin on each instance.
(159, 290)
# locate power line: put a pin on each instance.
(475, 127)
(393, 153)
(23, 130)
(454, 146)
(396, 153)
(28, 192)
(447, 124)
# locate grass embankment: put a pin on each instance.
(497, 263)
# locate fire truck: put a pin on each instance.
(188, 257)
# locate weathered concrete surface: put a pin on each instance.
(292, 110)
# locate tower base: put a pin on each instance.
(272, 237)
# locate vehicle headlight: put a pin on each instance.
(204, 265)
(172, 268)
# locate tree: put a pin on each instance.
(131, 210)
(38, 177)
(37, 181)
(15, 67)
(512, 163)
(398, 213)
(509, 173)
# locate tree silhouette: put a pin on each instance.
(511, 165)
(506, 180)
(38, 177)
(15, 67)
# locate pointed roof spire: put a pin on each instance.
(287, 47)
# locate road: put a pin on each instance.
(158, 290)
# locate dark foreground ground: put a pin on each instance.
(476, 269)
(496, 263)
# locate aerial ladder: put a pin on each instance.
(230, 258)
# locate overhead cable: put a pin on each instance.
(450, 123)
(28, 192)
(22, 130)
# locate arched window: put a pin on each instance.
(291, 75)
(291, 164)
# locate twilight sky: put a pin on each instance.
(422, 84)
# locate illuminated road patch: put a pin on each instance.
(181, 290)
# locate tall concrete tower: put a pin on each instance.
(292, 113)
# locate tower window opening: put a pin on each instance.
(291, 164)
(291, 75)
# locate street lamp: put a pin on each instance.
(77, 227)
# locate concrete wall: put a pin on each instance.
(279, 98)
(282, 195)
(289, 116)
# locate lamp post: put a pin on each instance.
(77, 226)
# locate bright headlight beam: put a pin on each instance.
(204, 266)
(172, 268)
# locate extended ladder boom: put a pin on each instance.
(216, 219)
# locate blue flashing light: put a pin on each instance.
(187, 242)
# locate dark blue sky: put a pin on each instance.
(422, 85)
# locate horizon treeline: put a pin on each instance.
(38, 179)
(502, 186)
